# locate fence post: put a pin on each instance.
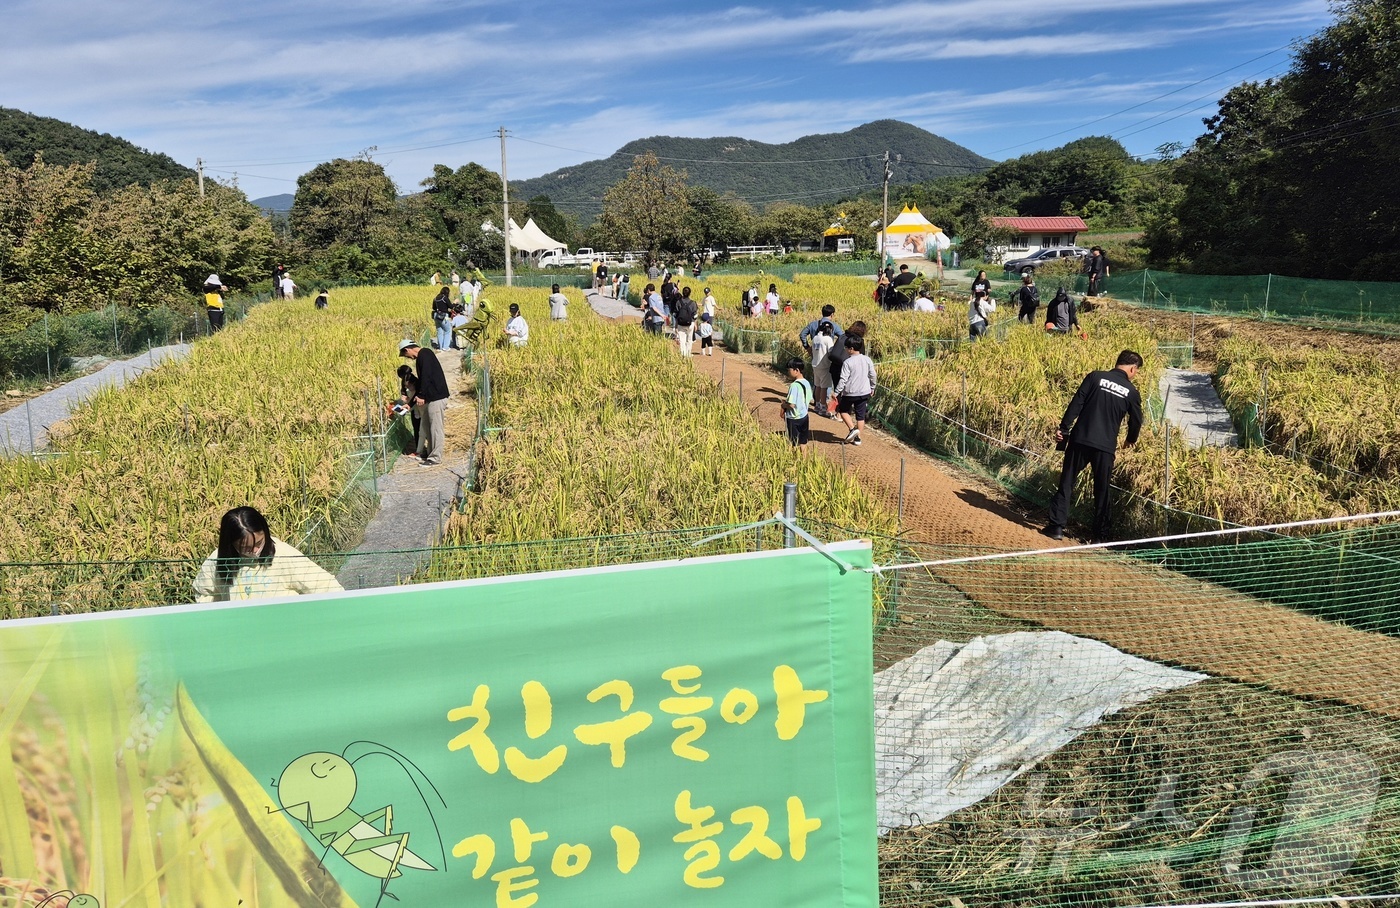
(1167, 467)
(962, 445)
(1264, 407)
(741, 388)
(1142, 299)
(48, 347)
(1268, 285)
(900, 518)
(116, 341)
(790, 512)
(721, 375)
(29, 418)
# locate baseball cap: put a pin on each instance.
(405, 344)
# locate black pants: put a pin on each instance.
(1027, 313)
(216, 320)
(1100, 463)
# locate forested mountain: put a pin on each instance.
(276, 203)
(119, 163)
(823, 167)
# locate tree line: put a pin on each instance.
(1295, 175)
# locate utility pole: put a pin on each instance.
(884, 218)
(505, 208)
(199, 165)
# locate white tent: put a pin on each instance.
(527, 240)
(532, 239)
(911, 234)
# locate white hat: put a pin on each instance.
(212, 279)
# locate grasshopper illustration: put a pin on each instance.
(75, 900)
(317, 789)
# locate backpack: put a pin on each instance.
(685, 311)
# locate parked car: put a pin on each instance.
(1028, 264)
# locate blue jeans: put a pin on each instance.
(444, 333)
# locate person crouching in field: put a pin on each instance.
(251, 564)
(796, 407)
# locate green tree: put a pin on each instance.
(718, 220)
(344, 201)
(50, 255)
(1298, 175)
(788, 224)
(161, 242)
(648, 209)
(549, 219)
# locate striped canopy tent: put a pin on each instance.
(911, 234)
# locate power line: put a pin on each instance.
(379, 151)
(1148, 101)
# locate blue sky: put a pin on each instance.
(267, 89)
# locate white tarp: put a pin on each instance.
(955, 722)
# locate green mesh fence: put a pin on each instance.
(1372, 304)
(1022, 757)
(46, 347)
(1027, 474)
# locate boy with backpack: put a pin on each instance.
(795, 408)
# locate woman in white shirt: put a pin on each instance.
(516, 329)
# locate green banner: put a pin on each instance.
(695, 732)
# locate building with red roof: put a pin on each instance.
(1034, 234)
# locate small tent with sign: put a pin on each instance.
(841, 235)
(911, 235)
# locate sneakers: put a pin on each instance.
(428, 463)
(856, 441)
(853, 436)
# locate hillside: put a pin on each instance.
(811, 170)
(274, 204)
(119, 163)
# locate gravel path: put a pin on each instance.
(25, 429)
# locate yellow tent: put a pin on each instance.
(912, 234)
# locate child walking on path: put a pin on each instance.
(796, 407)
(854, 389)
(707, 335)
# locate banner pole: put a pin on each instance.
(790, 512)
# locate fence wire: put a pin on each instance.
(1274, 774)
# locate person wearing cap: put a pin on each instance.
(214, 302)
(706, 333)
(516, 328)
(558, 305)
(430, 402)
(809, 332)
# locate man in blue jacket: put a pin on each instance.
(1088, 434)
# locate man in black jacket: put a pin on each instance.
(431, 402)
(1088, 434)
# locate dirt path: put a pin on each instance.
(1132, 606)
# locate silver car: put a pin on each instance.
(1028, 264)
